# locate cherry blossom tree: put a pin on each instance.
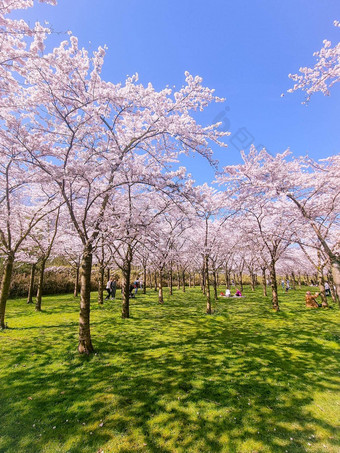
(23, 205)
(83, 130)
(168, 244)
(260, 211)
(79, 132)
(68, 246)
(19, 44)
(323, 75)
(311, 191)
(208, 204)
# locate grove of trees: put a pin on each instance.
(90, 172)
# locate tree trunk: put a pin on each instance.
(170, 281)
(252, 281)
(336, 277)
(215, 285)
(126, 288)
(108, 274)
(76, 283)
(264, 281)
(293, 281)
(275, 298)
(335, 297)
(5, 287)
(189, 276)
(207, 286)
(228, 283)
(40, 285)
(241, 280)
(321, 282)
(160, 288)
(85, 343)
(156, 284)
(203, 278)
(178, 280)
(31, 286)
(101, 285)
(150, 279)
(183, 280)
(144, 279)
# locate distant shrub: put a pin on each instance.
(57, 280)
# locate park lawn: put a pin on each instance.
(171, 378)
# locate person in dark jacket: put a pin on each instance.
(113, 288)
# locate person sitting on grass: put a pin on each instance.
(227, 292)
(311, 300)
(238, 293)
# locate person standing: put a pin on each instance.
(136, 283)
(287, 286)
(108, 289)
(283, 285)
(113, 288)
(327, 289)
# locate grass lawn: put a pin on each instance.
(171, 378)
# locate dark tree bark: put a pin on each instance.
(235, 279)
(156, 282)
(321, 282)
(264, 281)
(241, 280)
(85, 343)
(144, 279)
(5, 287)
(76, 283)
(101, 285)
(252, 281)
(334, 295)
(215, 285)
(126, 270)
(183, 280)
(227, 276)
(336, 278)
(203, 278)
(31, 285)
(44, 259)
(170, 281)
(40, 284)
(299, 280)
(293, 281)
(275, 298)
(207, 286)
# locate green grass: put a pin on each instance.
(171, 378)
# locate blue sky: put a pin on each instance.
(245, 49)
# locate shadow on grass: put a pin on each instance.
(173, 379)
